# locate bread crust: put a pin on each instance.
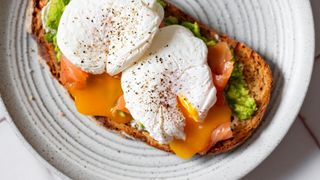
(256, 72)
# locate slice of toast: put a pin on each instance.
(256, 72)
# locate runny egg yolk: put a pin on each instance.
(99, 96)
(192, 113)
(198, 134)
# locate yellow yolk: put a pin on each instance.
(99, 96)
(198, 134)
(192, 113)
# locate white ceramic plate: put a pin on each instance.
(67, 142)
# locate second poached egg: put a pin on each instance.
(174, 66)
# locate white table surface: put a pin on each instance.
(297, 156)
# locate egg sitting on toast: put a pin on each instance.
(174, 67)
(106, 35)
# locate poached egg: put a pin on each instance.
(107, 36)
(173, 69)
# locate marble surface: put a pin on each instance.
(297, 157)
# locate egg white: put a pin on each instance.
(175, 65)
(106, 35)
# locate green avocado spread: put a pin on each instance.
(238, 96)
(52, 19)
(193, 27)
(162, 3)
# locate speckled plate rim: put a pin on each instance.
(307, 28)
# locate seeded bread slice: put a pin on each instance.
(256, 72)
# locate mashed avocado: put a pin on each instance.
(52, 19)
(171, 20)
(238, 96)
(162, 3)
(193, 27)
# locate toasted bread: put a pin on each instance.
(256, 72)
